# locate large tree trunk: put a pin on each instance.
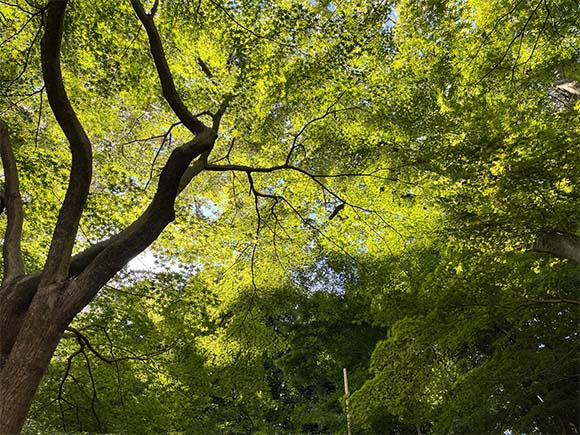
(24, 367)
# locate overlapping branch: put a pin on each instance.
(23, 27)
(116, 252)
(329, 111)
(314, 177)
(84, 345)
(172, 96)
(307, 223)
(252, 169)
(252, 32)
(92, 268)
(14, 5)
(520, 34)
(495, 27)
(27, 54)
(84, 341)
(98, 264)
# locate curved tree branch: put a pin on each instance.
(167, 84)
(244, 168)
(27, 53)
(23, 27)
(329, 111)
(120, 249)
(58, 260)
(12, 251)
(92, 268)
(84, 341)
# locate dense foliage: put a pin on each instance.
(388, 193)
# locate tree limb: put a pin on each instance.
(84, 341)
(201, 163)
(244, 168)
(205, 68)
(16, 6)
(520, 34)
(329, 111)
(167, 84)
(559, 244)
(250, 31)
(20, 294)
(21, 29)
(58, 259)
(191, 172)
(27, 54)
(120, 249)
(12, 251)
(217, 117)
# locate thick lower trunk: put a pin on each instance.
(22, 371)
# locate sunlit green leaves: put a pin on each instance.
(430, 146)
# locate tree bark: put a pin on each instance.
(559, 244)
(34, 315)
(12, 252)
(28, 360)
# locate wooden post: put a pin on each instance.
(347, 394)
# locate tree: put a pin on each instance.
(491, 120)
(483, 324)
(429, 150)
(37, 307)
(478, 343)
(270, 361)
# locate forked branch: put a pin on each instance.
(113, 254)
(83, 340)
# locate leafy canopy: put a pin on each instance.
(411, 153)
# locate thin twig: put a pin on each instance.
(513, 73)
(496, 24)
(250, 31)
(36, 133)
(26, 60)
(94, 397)
(520, 34)
(13, 5)
(19, 31)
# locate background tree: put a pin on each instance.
(482, 113)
